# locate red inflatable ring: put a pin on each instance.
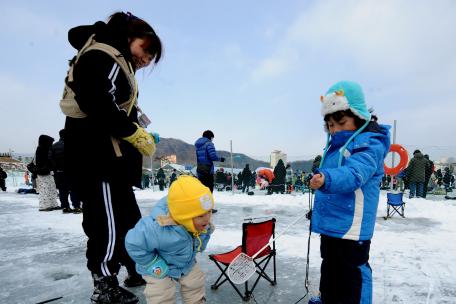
(402, 163)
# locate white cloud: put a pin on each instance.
(378, 35)
(401, 51)
(25, 23)
(427, 128)
(272, 67)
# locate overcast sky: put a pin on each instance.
(251, 71)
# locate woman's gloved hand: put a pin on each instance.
(143, 141)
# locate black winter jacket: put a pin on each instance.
(280, 173)
(3, 174)
(43, 163)
(246, 175)
(416, 169)
(57, 156)
(100, 86)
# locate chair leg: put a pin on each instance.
(261, 273)
(217, 284)
(274, 264)
(387, 212)
(244, 297)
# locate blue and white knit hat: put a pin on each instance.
(345, 95)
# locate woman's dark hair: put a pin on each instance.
(133, 27)
(337, 116)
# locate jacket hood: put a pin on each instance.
(111, 35)
(418, 155)
(200, 142)
(384, 135)
(45, 141)
(160, 208)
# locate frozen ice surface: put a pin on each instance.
(413, 259)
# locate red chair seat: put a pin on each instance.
(227, 257)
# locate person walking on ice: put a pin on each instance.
(205, 158)
(165, 243)
(3, 176)
(347, 192)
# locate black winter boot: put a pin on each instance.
(107, 290)
(134, 280)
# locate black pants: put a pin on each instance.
(207, 180)
(109, 211)
(63, 185)
(425, 188)
(161, 184)
(2, 184)
(346, 277)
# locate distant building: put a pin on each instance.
(276, 155)
(168, 159)
(445, 162)
(9, 163)
(179, 168)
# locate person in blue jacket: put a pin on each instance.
(165, 243)
(205, 158)
(347, 193)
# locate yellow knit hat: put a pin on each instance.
(188, 198)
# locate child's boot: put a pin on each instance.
(107, 290)
(315, 300)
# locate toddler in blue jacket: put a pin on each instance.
(165, 243)
(346, 199)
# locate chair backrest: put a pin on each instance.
(394, 198)
(256, 235)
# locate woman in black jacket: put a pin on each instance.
(104, 143)
(45, 182)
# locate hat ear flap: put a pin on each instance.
(188, 224)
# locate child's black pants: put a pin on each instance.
(346, 277)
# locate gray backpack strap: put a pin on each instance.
(68, 103)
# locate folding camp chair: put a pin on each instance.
(394, 204)
(254, 237)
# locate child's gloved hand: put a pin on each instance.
(143, 141)
(156, 137)
(317, 181)
(157, 268)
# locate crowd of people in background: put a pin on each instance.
(48, 177)
(421, 177)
